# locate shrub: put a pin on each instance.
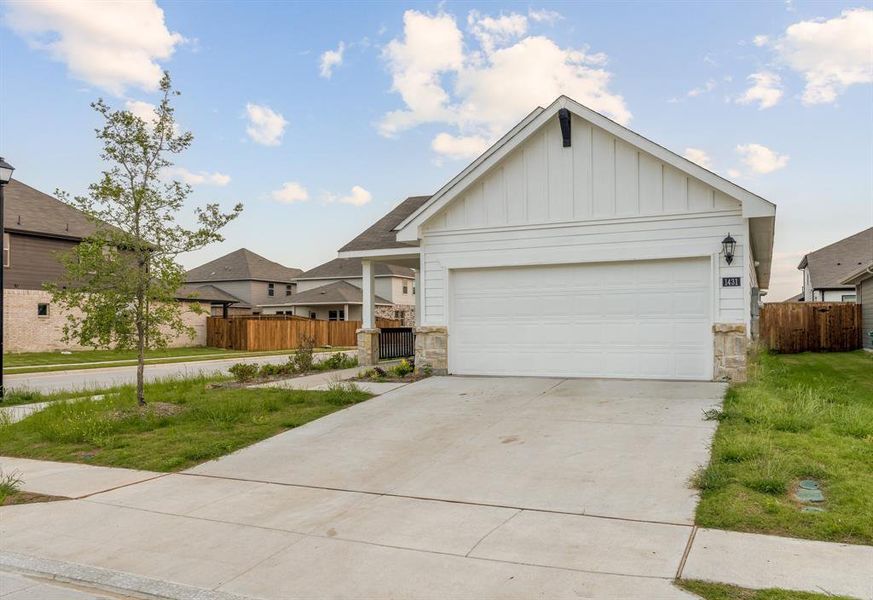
(338, 360)
(243, 372)
(303, 358)
(402, 369)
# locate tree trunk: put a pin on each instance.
(140, 366)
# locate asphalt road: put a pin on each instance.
(88, 379)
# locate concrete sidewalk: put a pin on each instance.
(70, 480)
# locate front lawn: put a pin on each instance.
(800, 416)
(41, 362)
(721, 591)
(186, 422)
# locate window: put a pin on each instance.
(288, 289)
(405, 287)
(42, 309)
(271, 291)
(312, 315)
(849, 297)
(7, 250)
(336, 315)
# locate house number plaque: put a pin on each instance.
(731, 281)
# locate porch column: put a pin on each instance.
(418, 293)
(346, 313)
(368, 318)
(368, 335)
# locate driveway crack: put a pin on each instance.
(482, 539)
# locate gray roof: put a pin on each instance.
(381, 234)
(242, 265)
(27, 210)
(831, 265)
(350, 268)
(206, 293)
(338, 292)
(795, 298)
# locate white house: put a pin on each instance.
(576, 247)
(332, 291)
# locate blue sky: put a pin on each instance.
(776, 96)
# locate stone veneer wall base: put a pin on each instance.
(731, 345)
(368, 347)
(431, 349)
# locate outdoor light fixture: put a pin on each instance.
(5, 175)
(729, 244)
(5, 171)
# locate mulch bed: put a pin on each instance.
(30, 498)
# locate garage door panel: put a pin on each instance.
(646, 319)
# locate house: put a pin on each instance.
(862, 280)
(825, 269)
(37, 229)
(332, 291)
(574, 247)
(249, 277)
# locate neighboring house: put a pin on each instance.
(825, 269)
(576, 247)
(332, 291)
(37, 228)
(795, 298)
(250, 277)
(862, 280)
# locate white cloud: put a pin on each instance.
(494, 31)
(766, 90)
(546, 16)
(331, 59)
(734, 173)
(357, 197)
(266, 126)
(112, 45)
(143, 110)
(483, 85)
(703, 89)
(831, 55)
(760, 159)
(457, 147)
(290, 192)
(696, 155)
(200, 178)
(761, 40)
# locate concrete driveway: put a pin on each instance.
(448, 488)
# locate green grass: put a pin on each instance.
(9, 484)
(186, 423)
(43, 362)
(720, 591)
(799, 416)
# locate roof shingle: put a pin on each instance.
(27, 210)
(350, 268)
(242, 265)
(381, 234)
(830, 265)
(338, 292)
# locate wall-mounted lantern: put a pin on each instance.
(729, 244)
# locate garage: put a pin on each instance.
(639, 319)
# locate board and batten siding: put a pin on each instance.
(599, 200)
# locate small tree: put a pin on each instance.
(121, 282)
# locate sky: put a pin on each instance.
(320, 117)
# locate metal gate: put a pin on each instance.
(396, 342)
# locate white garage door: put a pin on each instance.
(642, 319)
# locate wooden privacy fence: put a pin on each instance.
(257, 334)
(790, 327)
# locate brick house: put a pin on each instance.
(37, 229)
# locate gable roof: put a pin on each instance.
(242, 265)
(862, 274)
(338, 292)
(380, 235)
(350, 268)
(206, 293)
(27, 210)
(753, 205)
(829, 266)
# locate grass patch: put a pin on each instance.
(186, 422)
(800, 416)
(721, 591)
(44, 362)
